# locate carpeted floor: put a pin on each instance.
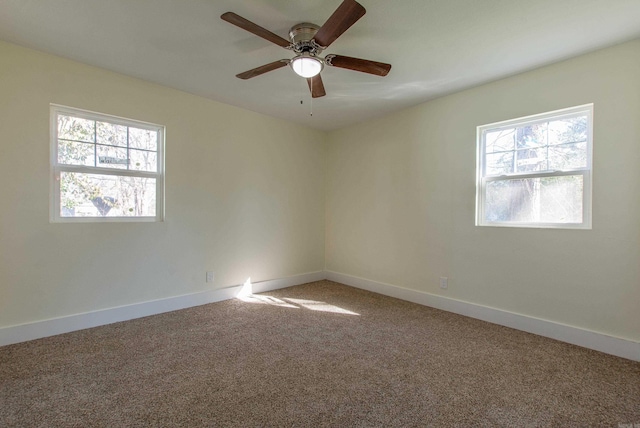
(319, 354)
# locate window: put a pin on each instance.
(105, 168)
(536, 171)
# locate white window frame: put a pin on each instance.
(586, 172)
(56, 168)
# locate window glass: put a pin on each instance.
(536, 171)
(105, 168)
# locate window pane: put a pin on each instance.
(531, 136)
(97, 195)
(112, 157)
(499, 141)
(112, 134)
(571, 130)
(143, 139)
(568, 156)
(499, 163)
(75, 128)
(530, 160)
(74, 153)
(143, 160)
(535, 200)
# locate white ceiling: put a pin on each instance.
(435, 46)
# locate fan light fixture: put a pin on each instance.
(306, 66)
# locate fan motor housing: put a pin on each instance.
(302, 35)
(303, 32)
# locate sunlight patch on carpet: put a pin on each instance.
(266, 300)
(319, 306)
(246, 295)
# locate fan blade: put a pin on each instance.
(357, 64)
(316, 86)
(245, 24)
(344, 17)
(263, 69)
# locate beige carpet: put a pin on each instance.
(319, 354)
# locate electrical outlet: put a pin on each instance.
(444, 282)
(209, 276)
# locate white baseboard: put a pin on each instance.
(51, 327)
(574, 335)
(565, 333)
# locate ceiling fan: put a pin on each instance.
(308, 41)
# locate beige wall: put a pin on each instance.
(401, 200)
(244, 196)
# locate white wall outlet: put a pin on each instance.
(209, 276)
(444, 282)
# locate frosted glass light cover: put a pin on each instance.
(306, 66)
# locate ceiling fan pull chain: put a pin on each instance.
(311, 102)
